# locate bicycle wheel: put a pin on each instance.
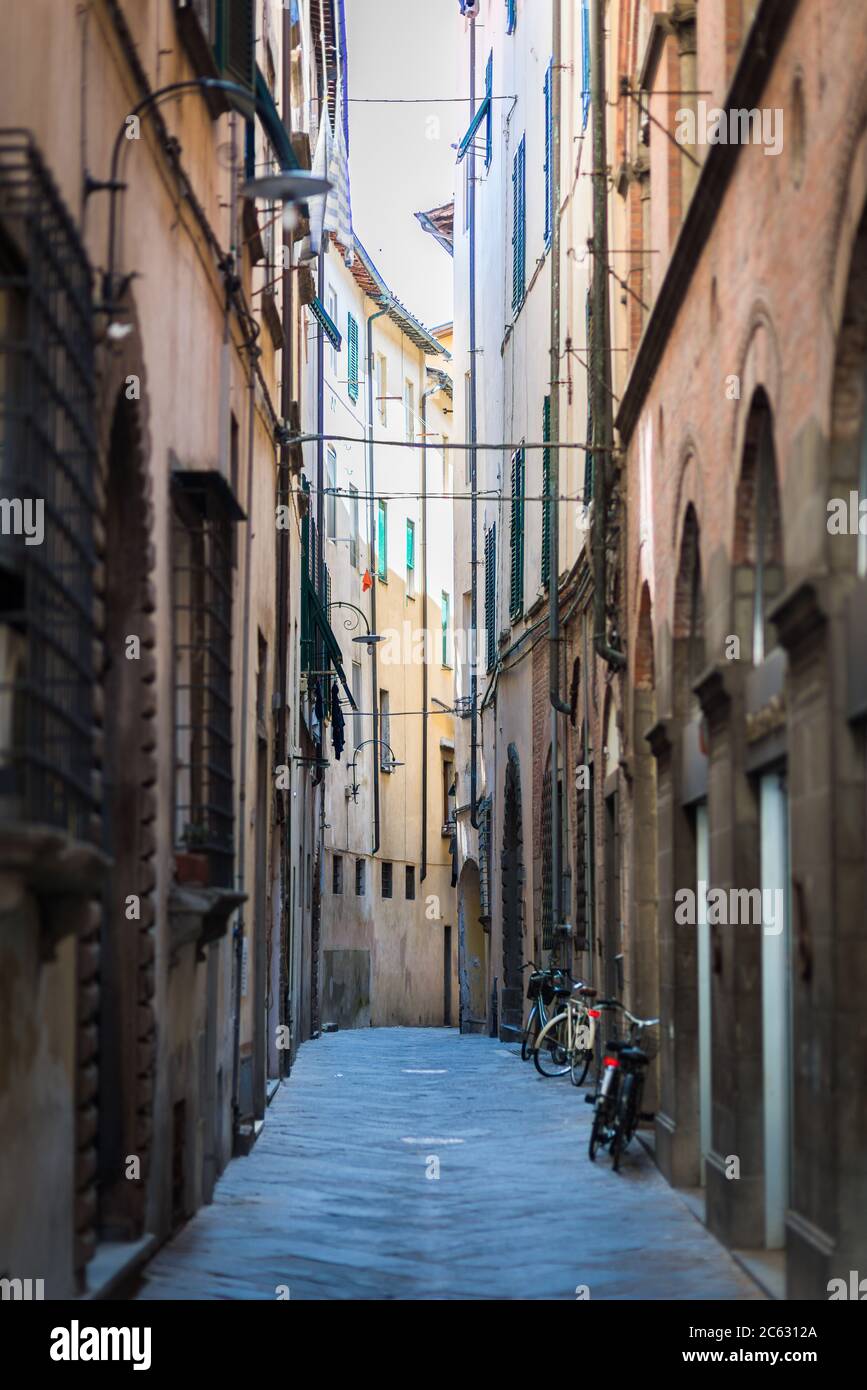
(624, 1123)
(579, 1067)
(550, 1054)
(595, 1134)
(531, 1033)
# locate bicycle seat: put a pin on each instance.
(587, 991)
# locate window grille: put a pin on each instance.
(47, 471)
(202, 515)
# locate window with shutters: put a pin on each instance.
(357, 723)
(385, 762)
(331, 309)
(519, 219)
(386, 880)
(382, 387)
(360, 886)
(585, 62)
(410, 559)
(353, 526)
(234, 46)
(516, 572)
(331, 494)
(447, 619)
(352, 356)
(382, 540)
(489, 117)
(549, 154)
(337, 873)
(546, 488)
(491, 596)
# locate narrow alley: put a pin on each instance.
(338, 1199)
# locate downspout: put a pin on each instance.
(431, 390)
(474, 503)
(558, 706)
(603, 429)
(374, 559)
(242, 773)
(283, 580)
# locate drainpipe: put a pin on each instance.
(371, 525)
(474, 504)
(431, 390)
(553, 503)
(284, 828)
(603, 429)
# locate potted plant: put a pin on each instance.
(191, 862)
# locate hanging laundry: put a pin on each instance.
(338, 723)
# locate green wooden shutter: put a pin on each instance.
(519, 212)
(489, 118)
(491, 595)
(549, 154)
(382, 542)
(516, 589)
(352, 353)
(546, 487)
(235, 41)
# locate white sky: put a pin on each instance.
(401, 160)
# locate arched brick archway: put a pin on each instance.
(512, 866)
(116, 1025)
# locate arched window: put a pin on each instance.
(758, 535)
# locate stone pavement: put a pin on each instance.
(335, 1201)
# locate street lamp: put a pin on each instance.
(366, 638)
(393, 762)
(287, 187)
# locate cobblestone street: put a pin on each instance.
(335, 1202)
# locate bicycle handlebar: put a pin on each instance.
(616, 1004)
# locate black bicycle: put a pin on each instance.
(617, 1102)
(543, 987)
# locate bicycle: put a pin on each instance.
(617, 1103)
(541, 989)
(566, 1041)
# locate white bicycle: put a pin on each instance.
(566, 1041)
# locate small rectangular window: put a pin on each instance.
(352, 357)
(410, 883)
(382, 540)
(386, 880)
(382, 387)
(360, 868)
(410, 559)
(447, 619)
(353, 526)
(409, 410)
(331, 494)
(384, 732)
(331, 306)
(519, 218)
(337, 873)
(357, 721)
(448, 793)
